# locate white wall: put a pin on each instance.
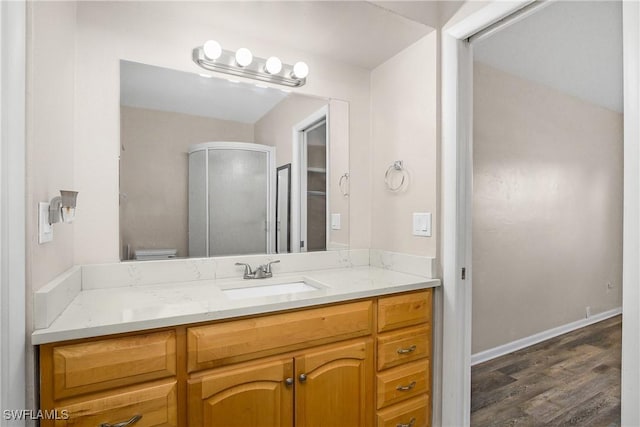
(403, 127)
(163, 34)
(50, 132)
(547, 223)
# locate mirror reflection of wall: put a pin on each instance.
(166, 113)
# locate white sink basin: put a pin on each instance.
(269, 290)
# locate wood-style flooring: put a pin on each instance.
(570, 380)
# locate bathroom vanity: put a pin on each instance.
(354, 352)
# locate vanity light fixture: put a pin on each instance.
(61, 208)
(212, 50)
(273, 65)
(244, 57)
(300, 70)
(242, 63)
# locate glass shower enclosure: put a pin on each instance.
(231, 199)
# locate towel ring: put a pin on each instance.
(392, 171)
(343, 184)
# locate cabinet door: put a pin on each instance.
(334, 386)
(250, 394)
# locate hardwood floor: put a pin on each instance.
(573, 379)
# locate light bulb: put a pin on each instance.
(212, 49)
(273, 65)
(243, 57)
(300, 70)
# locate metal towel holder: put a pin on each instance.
(343, 184)
(390, 177)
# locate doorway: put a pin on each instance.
(547, 200)
(457, 149)
(311, 154)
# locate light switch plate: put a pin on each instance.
(45, 230)
(335, 221)
(422, 224)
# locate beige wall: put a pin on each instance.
(50, 133)
(275, 127)
(49, 148)
(154, 203)
(110, 31)
(403, 127)
(547, 223)
(339, 165)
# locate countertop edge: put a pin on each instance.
(43, 336)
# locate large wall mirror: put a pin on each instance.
(212, 167)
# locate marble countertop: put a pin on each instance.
(98, 312)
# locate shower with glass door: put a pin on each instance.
(231, 199)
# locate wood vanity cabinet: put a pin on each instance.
(249, 394)
(104, 382)
(403, 397)
(327, 386)
(351, 364)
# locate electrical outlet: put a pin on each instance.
(588, 310)
(45, 230)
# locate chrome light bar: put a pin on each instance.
(228, 62)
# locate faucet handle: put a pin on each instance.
(268, 270)
(247, 269)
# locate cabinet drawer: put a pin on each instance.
(412, 413)
(100, 365)
(156, 404)
(404, 310)
(403, 382)
(240, 340)
(405, 345)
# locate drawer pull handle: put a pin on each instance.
(132, 421)
(288, 381)
(411, 422)
(407, 350)
(406, 387)
(302, 378)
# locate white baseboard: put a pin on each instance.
(512, 346)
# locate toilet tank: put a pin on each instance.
(154, 254)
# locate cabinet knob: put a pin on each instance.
(411, 422)
(407, 350)
(130, 422)
(302, 378)
(406, 387)
(288, 381)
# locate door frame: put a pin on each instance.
(13, 326)
(457, 150)
(297, 178)
(278, 230)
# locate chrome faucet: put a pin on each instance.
(261, 272)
